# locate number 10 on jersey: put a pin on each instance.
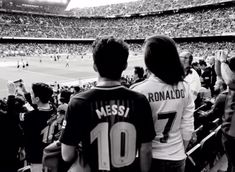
(122, 148)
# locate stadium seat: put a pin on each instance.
(193, 161)
(208, 149)
(24, 169)
(216, 122)
(219, 146)
(200, 133)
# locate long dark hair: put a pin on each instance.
(162, 59)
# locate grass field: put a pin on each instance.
(49, 71)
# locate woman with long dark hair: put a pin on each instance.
(171, 103)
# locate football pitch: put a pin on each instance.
(79, 71)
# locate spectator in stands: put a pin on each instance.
(61, 111)
(10, 130)
(125, 82)
(196, 67)
(75, 90)
(97, 112)
(146, 73)
(219, 87)
(171, 102)
(205, 74)
(217, 110)
(211, 62)
(138, 74)
(35, 124)
(64, 98)
(204, 92)
(191, 76)
(228, 125)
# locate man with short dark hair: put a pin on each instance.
(109, 122)
(35, 124)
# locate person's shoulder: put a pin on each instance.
(209, 68)
(138, 85)
(136, 95)
(225, 92)
(222, 96)
(30, 116)
(194, 73)
(82, 96)
(185, 84)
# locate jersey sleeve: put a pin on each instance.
(229, 114)
(187, 122)
(146, 126)
(72, 125)
(195, 85)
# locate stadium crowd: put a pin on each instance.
(205, 22)
(141, 6)
(35, 49)
(198, 49)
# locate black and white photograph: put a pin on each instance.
(117, 85)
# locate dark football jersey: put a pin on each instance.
(228, 125)
(110, 123)
(35, 132)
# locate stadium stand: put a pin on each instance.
(217, 20)
(199, 49)
(141, 6)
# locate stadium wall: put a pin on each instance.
(210, 38)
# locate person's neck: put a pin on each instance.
(43, 106)
(107, 82)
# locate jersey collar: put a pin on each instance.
(114, 87)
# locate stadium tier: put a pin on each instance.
(203, 21)
(141, 6)
(199, 49)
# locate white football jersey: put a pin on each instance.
(172, 110)
(194, 82)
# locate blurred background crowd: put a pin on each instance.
(217, 21)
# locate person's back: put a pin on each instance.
(35, 124)
(114, 110)
(168, 104)
(171, 103)
(11, 138)
(109, 122)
